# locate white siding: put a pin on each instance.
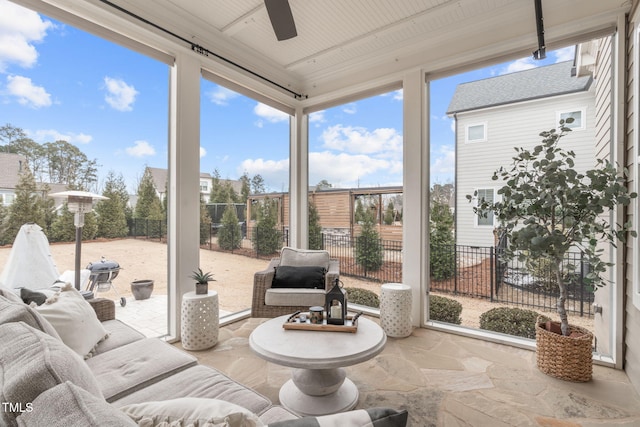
(514, 125)
(632, 313)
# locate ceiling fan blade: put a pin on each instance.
(281, 19)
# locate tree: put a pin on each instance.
(205, 223)
(63, 228)
(245, 189)
(27, 206)
(230, 235)
(266, 238)
(315, 229)
(323, 185)
(369, 250)
(548, 208)
(360, 213)
(111, 216)
(442, 258)
(148, 206)
(257, 184)
(389, 214)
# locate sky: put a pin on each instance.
(61, 83)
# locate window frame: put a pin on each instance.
(467, 140)
(583, 118)
(476, 217)
(635, 204)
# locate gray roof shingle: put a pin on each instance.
(535, 83)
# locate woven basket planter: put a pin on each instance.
(564, 357)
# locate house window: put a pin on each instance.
(578, 117)
(204, 187)
(488, 195)
(8, 199)
(477, 132)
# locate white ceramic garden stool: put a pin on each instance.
(395, 310)
(199, 320)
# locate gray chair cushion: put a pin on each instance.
(295, 297)
(199, 381)
(136, 365)
(11, 311)
(67, 405)
(32, 362)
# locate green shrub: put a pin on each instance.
(230, 234)
(369, 250)
(363, 297)
(444, 309)
(509, 320)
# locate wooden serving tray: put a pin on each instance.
(293, 322)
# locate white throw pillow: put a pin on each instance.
(74, 320)
(191, 411)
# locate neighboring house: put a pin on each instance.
(492, 116)
(11, 166)
(161, 176)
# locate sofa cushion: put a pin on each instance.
(119, 334)
(295, 297)
(277, 413)
(11, 311)
(310, 277)
(304, 257)
(74, 319)
(199, 381)
(9, 294)
(191, 411)
(67, 405)
(136, 365)
(372, 417)
(32, 362)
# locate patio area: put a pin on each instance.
(442, 379)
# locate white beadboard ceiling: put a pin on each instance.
(344, 43)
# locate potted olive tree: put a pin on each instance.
(547, 209)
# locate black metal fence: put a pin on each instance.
(461, 270)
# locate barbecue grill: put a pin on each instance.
(101, 278)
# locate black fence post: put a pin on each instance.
(492, 264)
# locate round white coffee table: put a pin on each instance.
(318, 385)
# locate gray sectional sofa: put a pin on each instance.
(125, 380)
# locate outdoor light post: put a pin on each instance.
(79, 202)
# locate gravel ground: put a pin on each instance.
(143, 259)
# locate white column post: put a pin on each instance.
(299, 180)
(184, 175)
(415, 236)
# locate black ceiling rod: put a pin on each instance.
(541, 53)
(203, 51)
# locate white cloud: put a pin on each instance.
(52, 135)
(120, 96)
(27, 93)
(383, 141)
(221, 95)
(519, 65)
(140, 149)
(398, 95)
(317, 118)
(350, 108)
(274, 172)
(203, 152)
(444, 162)
(565, 54)
(20, 28)
(270, 114)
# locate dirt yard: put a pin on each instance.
(142, 259)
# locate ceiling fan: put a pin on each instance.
(281, 19)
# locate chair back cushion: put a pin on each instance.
(299, 277)
(304, 257)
